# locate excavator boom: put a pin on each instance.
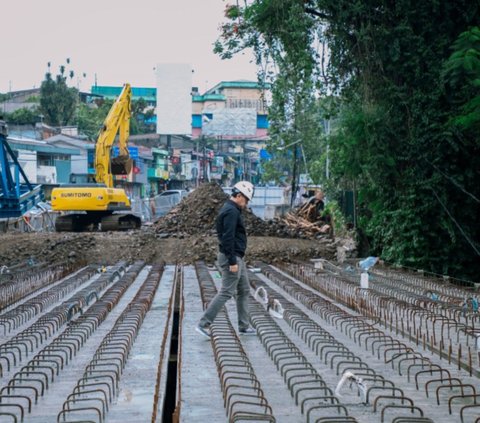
(117, 121)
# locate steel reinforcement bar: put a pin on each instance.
(96, 389)
(418, 368)
(24, 343)
(21, 314)
(25, 283)
(33, 380)
(333, 353)
(243, 396)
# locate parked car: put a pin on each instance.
(180, 192)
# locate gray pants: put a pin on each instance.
(231, 283)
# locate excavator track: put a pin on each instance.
(120, 222)
(90, 222)
(76, 223)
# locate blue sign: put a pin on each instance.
(133, 151)
(264, 154)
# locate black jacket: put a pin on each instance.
(231, 232)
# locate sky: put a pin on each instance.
(117, 40)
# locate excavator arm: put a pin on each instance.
(117, 121)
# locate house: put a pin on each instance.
(43, 163)
(81, 164)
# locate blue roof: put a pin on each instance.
(41, 147)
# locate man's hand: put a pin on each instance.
(233, 268)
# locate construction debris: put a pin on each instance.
(196, 214)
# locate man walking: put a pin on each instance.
(232, 239)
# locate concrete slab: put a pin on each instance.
(202, 399)
(51, 404)
(364, 414)
(275, 390)
(137, 385)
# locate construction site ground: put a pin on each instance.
(101, 327)
(418, 359)
(98, 248)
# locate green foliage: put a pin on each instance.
(406, 113)
(140, 114)
(337, 218)
(462, 78)
(272, 171)
(23, 116)
(58, 101)
(4, 97)
(33, 99)
(89, 118)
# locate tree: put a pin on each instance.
(58, 101)
(23, 116)
(89, 118)
(140, 114)
(403, 136)
(4, 97)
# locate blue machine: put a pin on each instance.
(15, 198)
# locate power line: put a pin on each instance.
(453, 182)
(456, 223)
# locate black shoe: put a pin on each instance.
(248, 331)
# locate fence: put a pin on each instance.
(268, 202)
(38, 219)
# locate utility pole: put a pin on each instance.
(244, 162)
(327, 133)
(294, 177)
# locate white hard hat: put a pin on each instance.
(245, 188)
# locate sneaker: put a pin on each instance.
(205, 331)
(248, 331)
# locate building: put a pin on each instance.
(233, 117)
(30, 99)
(226, 111)
(145, 93)
(44, 163)
(81, 164)
(229, 128)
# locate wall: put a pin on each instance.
(174, 100)
(80, 163)
(46, 174)
(249, 98)
(63, 169)
(28, 161)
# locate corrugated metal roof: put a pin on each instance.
(238, 84)
(21, 143)
(84, 145)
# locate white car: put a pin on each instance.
(179, 192)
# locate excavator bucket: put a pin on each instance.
(121, 165)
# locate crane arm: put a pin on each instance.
(117, 121)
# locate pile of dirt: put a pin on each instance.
(187, 234)
(197, 212)
(266, 249)
(55, 248)
(108, 248)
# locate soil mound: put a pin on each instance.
(197, 212)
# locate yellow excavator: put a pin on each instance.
(93, 206)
